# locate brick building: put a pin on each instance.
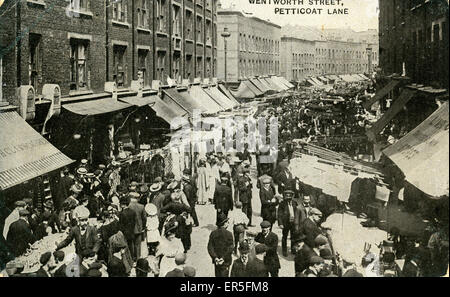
(297, 58)
(253, 48)
(81, 44)
(414, 37)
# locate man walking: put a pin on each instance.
(245, 194)
(220, 247)
(270, 241)
(139, 227)
(223, 199)
(286, 217)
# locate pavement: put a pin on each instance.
(198, 256)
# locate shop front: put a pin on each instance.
(27, 161)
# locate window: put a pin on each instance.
(120, 11)
(208, 67)
(142, 66)
(176, 66)
(78, 61)
(161, 16)
(208, 31)
(142, 14)
(199, 29)
(200, 67)
(80, 5)
(119, 65)
(34, 61)
(189, 67)
(176, 20)
(160, 65)
(189, 25)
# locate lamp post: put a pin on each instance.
(369, 56)
(225, 34)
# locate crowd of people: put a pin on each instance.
(121, 227)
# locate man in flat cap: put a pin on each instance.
(220, 247)
(20, 236)
(257, 266)
(286, 217)
(310, 227)
(85, 236)
(268, 201)
(316, 265)
(13, 216)
(223, 198)
(139, 227)
(270, 240)
(241, 265)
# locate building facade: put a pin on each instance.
(308, 51)
(414, 39)
(297, 58)
(81, 44)
(253, 48)
(344, 57)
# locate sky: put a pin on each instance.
(362, 14)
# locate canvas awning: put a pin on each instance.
(266, 85)
(243, 92)
(273, 85)
(318, 82)
(137, 101)
(280, 85)
(323, 79)
(423, 154)
(164, 111)
(96, 107)
(253, 88)
(286, 82)
(227, 93)
(220, 98)
(396, 107)
(172, 99)
(381, 93)
(203, 99)
(24, 153)
(311, 82)
(259, 85)
(282, 81)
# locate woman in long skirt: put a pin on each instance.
(202, 183)
(168, 248)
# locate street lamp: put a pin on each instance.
(225, 34)
(369, 56)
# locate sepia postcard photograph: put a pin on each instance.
(224, 139)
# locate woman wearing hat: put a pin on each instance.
(152, 227)
(169, 247)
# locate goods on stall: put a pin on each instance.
(30, 259)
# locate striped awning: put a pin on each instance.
(24, 153)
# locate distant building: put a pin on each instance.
(414, 37)
(253, 49)
(308, 51)
(297, 58)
